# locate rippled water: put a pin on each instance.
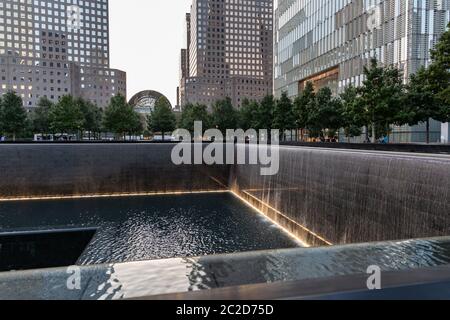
(146, 228)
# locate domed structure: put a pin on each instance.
(144, 102)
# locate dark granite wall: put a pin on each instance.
(32, 170)
(42, 249)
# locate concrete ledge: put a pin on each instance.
(276, 274)
(412, 284)
(412, 148)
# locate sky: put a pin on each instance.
(146, 37)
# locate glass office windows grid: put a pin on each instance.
(313, 36)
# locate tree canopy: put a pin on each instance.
(224, 115)
(352, 122)
(120, 118)
(192, 113)
(264, 113)
(162, 119)
(40, 116)
(301, 102)
(439, 74)
(247, 114)
(13, 117)
(283, 114)
(92, 115)
(325, 113)
(66, 116)
(380, 97)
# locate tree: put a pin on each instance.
(283, 115)
(326, 115)
(40, 117)
(224, 116)
(422, 103)
(120, 118)
(264, 113)
(247, 114)
(351, 120)
(135, 123)
(162, 119)
(66, 116)
(318, 110)
(192, 113)
(440, 72)
(301, 103)
(428, 94)
(92, 116)
(381, 97)
(13, 116)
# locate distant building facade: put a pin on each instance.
(329, 42)
(229, 51)
(51, 48)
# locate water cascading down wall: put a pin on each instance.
(323, 196)
(64, 170)
(341, 197)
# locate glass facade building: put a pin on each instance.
(230, 51)
(328, 42)
(321, 39)
(56, 47)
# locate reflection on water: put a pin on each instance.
(118, 281)
(146, 228)
(183, 275)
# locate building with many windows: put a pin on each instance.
(229, 51)
(328, 42)
(56, 47)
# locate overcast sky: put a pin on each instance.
(146, 37)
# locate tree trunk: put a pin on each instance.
(14, 136)
(374, 133)
(367, 134)
(428, 131)
(163, 138)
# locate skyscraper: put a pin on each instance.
(229, 51)
(329, 42)
(56, 47)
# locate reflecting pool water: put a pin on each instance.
(153, 227)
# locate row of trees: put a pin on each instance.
(68, 116)
(382, 101)
(320, 114)
(77, 116)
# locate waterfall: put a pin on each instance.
(329, 196)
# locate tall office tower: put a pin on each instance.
(230, 51)
(184, 63)
(56, 47)
(184, 73)
(188, 40)
(328, 42)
